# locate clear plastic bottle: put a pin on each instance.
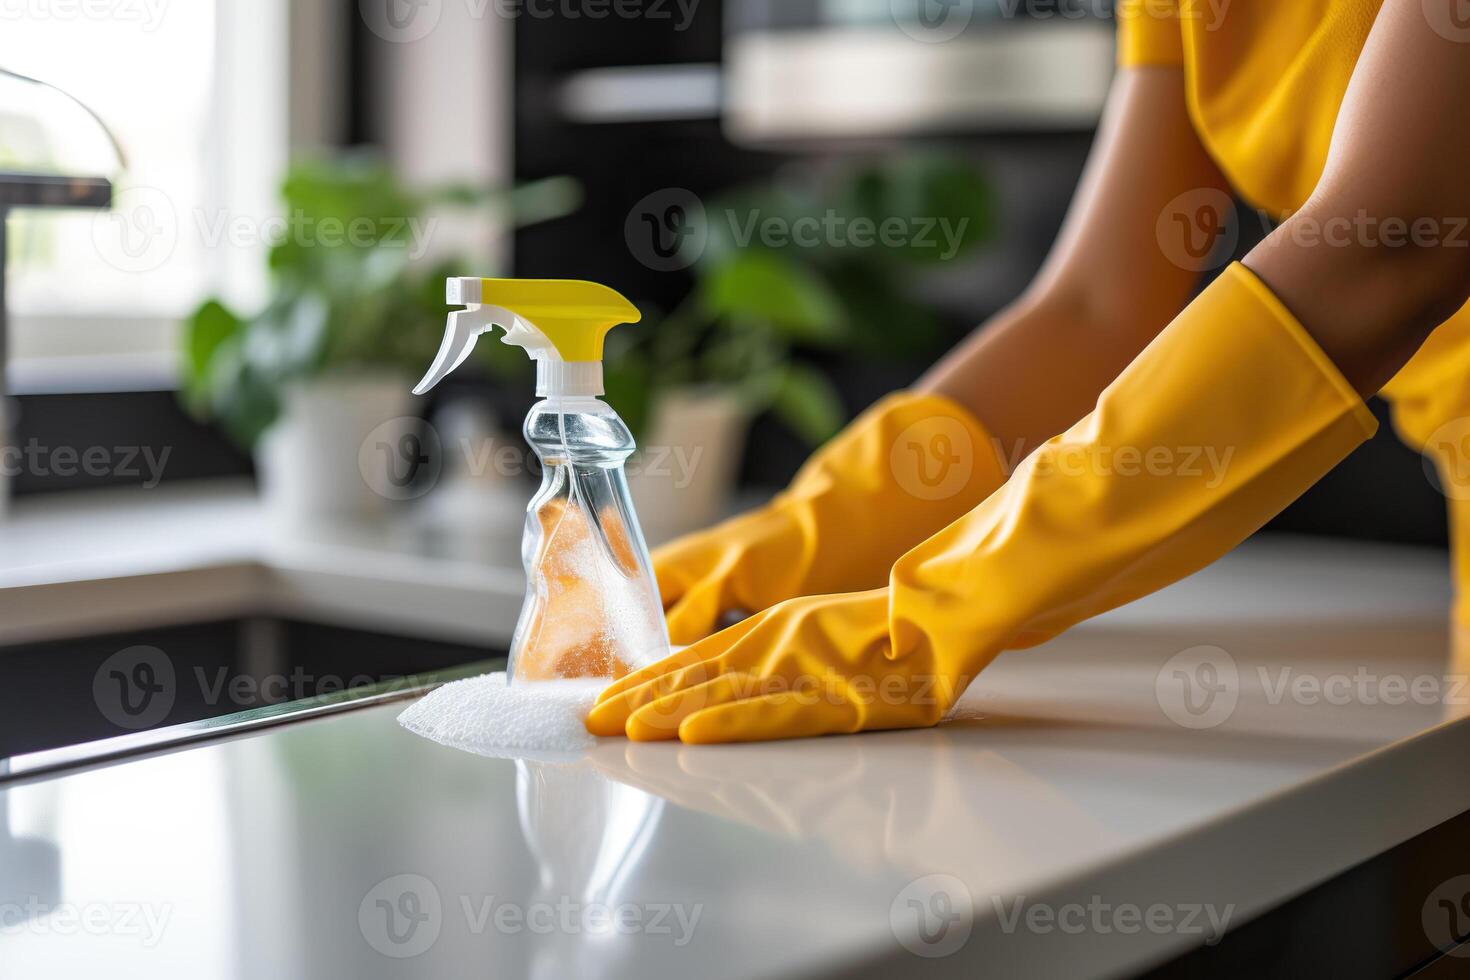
(592, 606)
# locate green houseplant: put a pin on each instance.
(821, 266)
(355, 311)
(349, 288)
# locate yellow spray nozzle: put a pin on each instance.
(559, 322)
(573, 314)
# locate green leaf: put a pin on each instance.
(210, 326)
(937, 206)
(807, 401)
(628, 389)
(886, 323)
(764, 286)
(251, 408)
(544, 200)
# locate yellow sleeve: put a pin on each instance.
(1149, 33)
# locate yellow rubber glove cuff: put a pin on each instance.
(1431, 411)
(1228, 416)
(901, 471)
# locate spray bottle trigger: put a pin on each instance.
(459, 339)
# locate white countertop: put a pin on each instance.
(98, 561)
(1090, 778)
(103, 561)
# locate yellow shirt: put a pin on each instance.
(1264, 80)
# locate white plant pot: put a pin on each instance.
(334, 452)
(683, 475)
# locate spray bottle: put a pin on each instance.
(592, 606)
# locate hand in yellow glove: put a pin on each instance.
(1229, 415)
(807, 666)
(904, 469)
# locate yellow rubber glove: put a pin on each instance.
(904, 469)
(1228, 416)
(1431, 411)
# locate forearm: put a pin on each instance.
(1038, 367)
(1110, 283)
(1380, 255)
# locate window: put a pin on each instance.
(195, 94)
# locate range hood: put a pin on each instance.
(798, 70)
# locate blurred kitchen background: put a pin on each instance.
(219, 489)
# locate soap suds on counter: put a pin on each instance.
(541, 720)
